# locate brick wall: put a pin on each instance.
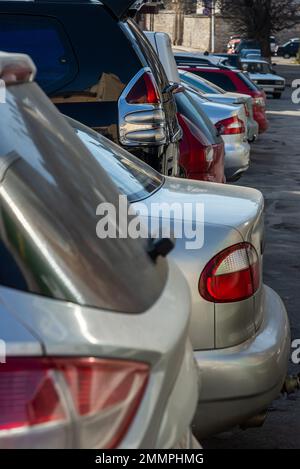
(195, 30)
(192, 31)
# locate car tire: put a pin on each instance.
(276, 95)
(286, 55)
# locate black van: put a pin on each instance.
(98, 67)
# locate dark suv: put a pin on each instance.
(98, 67)
(289, 49)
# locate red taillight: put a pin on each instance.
(144, 91)
(108, 388)
(28, 395)
(105, 394)
(232, 275)
(231, 126)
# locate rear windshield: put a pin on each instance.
(257, 67)
(133, 178)
(51, 188)
(217, 78)
(200, 83)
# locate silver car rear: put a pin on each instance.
(237, 148)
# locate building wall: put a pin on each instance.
(194, 31)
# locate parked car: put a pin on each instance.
(120, 90)
(289, 49)
(262, 74)
(238, 82)
(246, 44)
(229, 120)
(218, 95)
(191, 58)
(253, 52)
(232, 43)
(202, 150)
(239, 328)
(231, 123)
(229, 60)
(91, 360)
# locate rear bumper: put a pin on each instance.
(237, 159)
(241, 381)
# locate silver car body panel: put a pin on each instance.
(235, 98)
(66, 329)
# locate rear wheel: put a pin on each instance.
(287, 55)
(277, 95)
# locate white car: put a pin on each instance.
(262, 74)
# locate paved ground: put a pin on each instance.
(275, 170)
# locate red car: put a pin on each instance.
(202, 150)
(237, 82)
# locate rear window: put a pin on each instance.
(44, 40)
(200, 83)
(50, 190)
(133, 178)
(219, 79)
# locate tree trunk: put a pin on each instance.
(265, 46)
